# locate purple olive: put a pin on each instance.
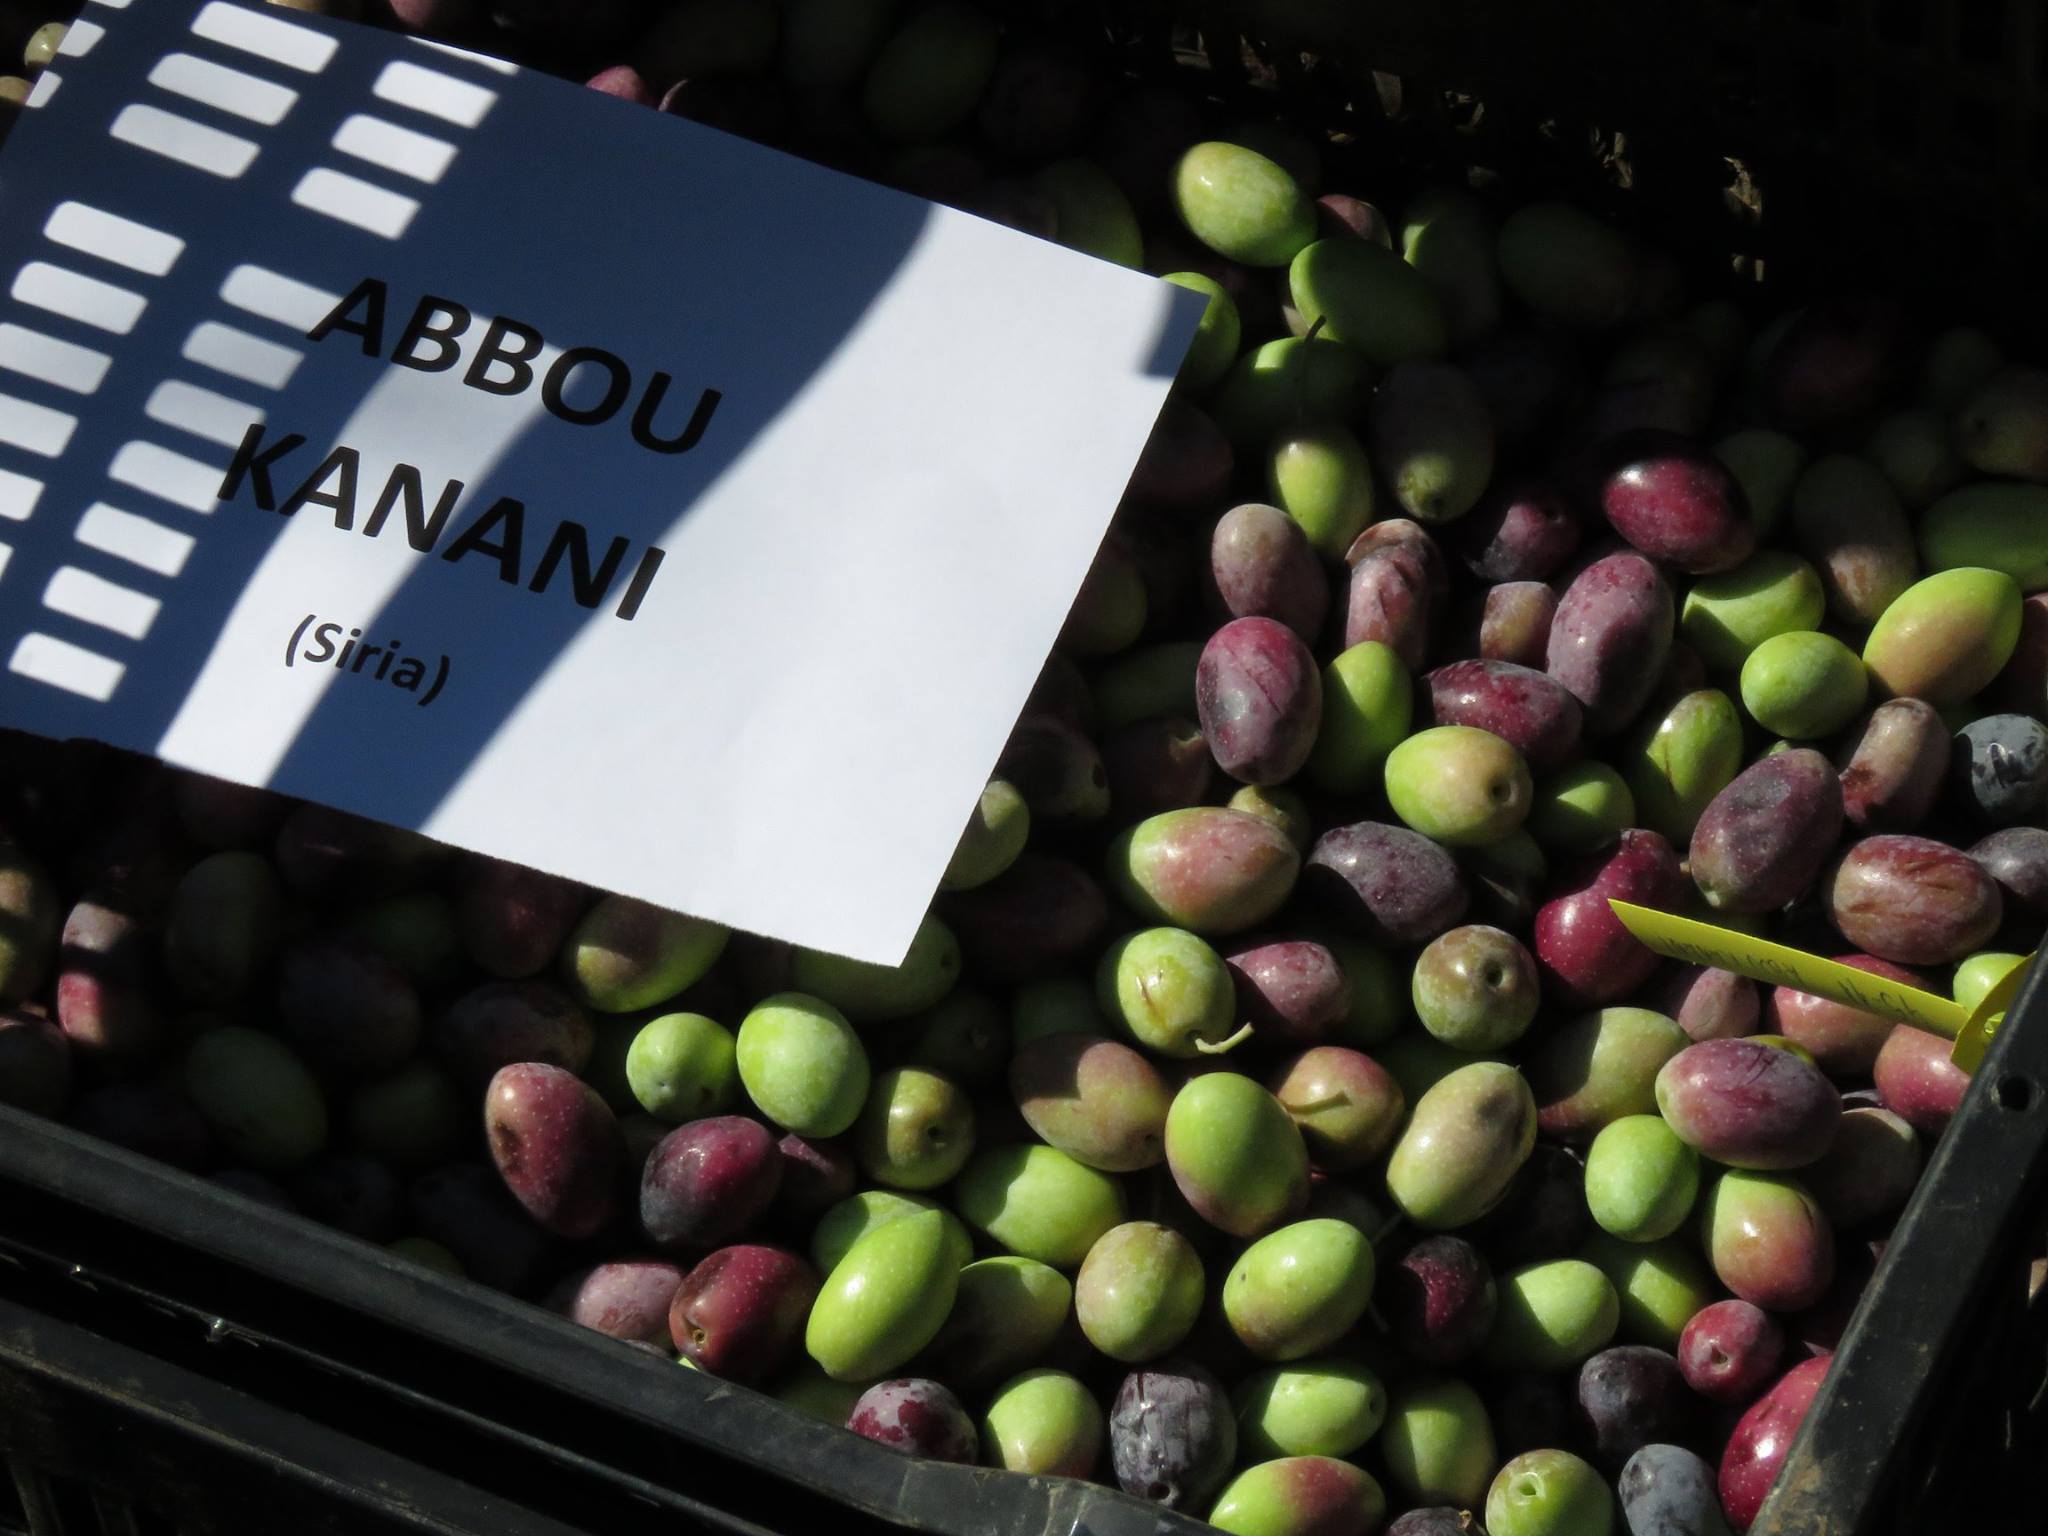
(1392, 885)
(1261, 565)
(1673, 501)
(1521, 532)
(1438, 1299)
(1259, 694)
(1748, 1105)
(1529, 710)
(1762, 840)
(1912, 900)
(1608, 642)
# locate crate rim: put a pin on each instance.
(550, 1352)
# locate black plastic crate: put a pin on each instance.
(176, 1358)
(104, 1439)
(576, 1430)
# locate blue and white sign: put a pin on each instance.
(462, 448)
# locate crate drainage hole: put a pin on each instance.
(2013, 1092)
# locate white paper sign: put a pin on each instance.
(469, 450)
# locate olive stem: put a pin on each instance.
(1218, 1047)
(1336, 1098)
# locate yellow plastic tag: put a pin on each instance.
(1685, 938)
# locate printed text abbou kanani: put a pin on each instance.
(501, 365)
